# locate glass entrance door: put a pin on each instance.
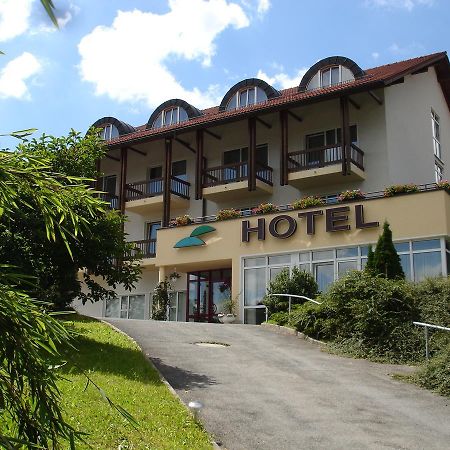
(207, 291)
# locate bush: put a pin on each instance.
(435, 375)
(298, 282)
(225, 214)
(372, 317)
(395, 189)
(311, 319)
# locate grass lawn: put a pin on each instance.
(116, 364)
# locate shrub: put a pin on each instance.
(384, 261)
(265, 208)
(307, 202)
(372, 317)
(225, 214)
(435, 374)
(355, 194)
(311, 319)
(395, 189)
(298, 282)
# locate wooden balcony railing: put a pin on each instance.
(145, 248)
(232, 173)
(155, 187)
(323, 156)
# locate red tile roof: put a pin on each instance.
(375, 77)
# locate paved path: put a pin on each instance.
(270, 391)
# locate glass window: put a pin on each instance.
(346, 266)
(426, 244)
(252, 262)
(365, 250)
(274, 271)
(112, 307)
(326, 77)
(335, 75)
(305, 257)
(324, 274)
(438, 173)
(179, 169)
(137, 307)
(347, 252)
(280, 259)
(330, 76)
(436, 134)
(170, 116)
(232, 104)
(109, 132)
(315, 140)
(322, 254)
(427, 265)
(402, 246)
(251, 97)
(306, 267)
(254, 286)
(405, 261)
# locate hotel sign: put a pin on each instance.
(284, 226)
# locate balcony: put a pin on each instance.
(146, 249)
(147, 196)
(316, 166)
(224, 182)
(111, 199)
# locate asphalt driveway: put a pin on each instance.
(271, 391)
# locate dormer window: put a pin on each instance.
(170, 116)
(109, 132)
(330, 76)
(246, 97)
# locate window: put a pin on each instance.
(109, 189)
(154, 180)
(330, 76)
(246, 97)
(436, 134)
(126, 307)
(179, 169)
(438, 172)
(170, 116)
(151, 232)
(109, 132)
(239, 158)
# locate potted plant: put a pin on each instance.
(354, 194)
(443, 184)
(225, 214)
(265, 208)
(181, 220)
(307, 202)
(396, 189)
(228, 315)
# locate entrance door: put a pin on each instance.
(207, 292)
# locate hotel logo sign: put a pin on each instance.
(193, 239)
(336, 219)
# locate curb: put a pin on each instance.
(214, 444)
(286, 331)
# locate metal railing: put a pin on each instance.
(295, 296)
(232, 173)
(155, 187)
(145, 248)
(112, 199)
(426, 326)
(326, 155)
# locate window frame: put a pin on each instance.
(329, 69)
(436, 130)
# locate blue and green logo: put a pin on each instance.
(193, 239)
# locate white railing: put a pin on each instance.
(290, 300)
(426, 326)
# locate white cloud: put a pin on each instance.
(14, 75)
(281, 79)
(409, 5)
(375, 55)
(127, 61)
(48, 27)
(14, 18)
(263, 6)
(412, 48)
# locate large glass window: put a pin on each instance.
(330, 76)
(109, 132)
(435, 121)
(126, 307)
(254, 286)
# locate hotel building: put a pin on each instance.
(343, 128)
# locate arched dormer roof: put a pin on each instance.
(122, 127)
(348, 63)
(191, 111)
(270, 91)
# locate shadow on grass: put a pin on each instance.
(182, 379)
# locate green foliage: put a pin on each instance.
(161, 300)
(298, 282)
(226, 214)
(435, 374)
(24, 239)
(395, 189)
(385, 261)
(307, 202)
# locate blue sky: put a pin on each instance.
(123, 58)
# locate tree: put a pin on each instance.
(29, 398)
(24, 243)
(298, 282)
(385, 261)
